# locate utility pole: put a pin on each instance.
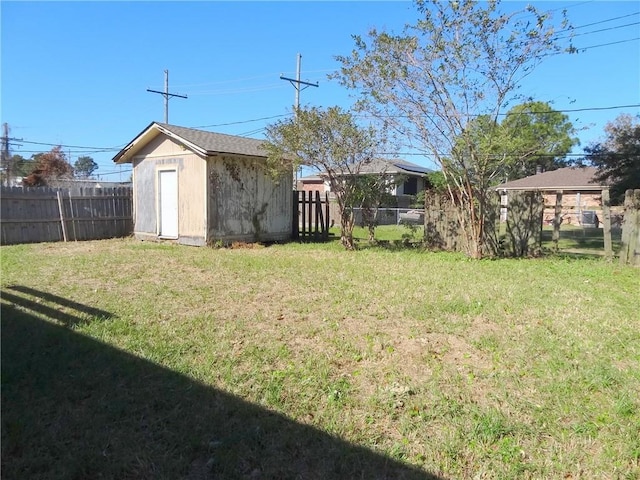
(6, 160)
(296, 82)
(166, 95)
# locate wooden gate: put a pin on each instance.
(310, 215)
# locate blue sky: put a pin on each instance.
(77, 73)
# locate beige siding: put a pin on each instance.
(162, 146)
(245, 203)
(222, 198)
(165, 154)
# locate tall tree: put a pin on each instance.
(50, 166)
(617, 156)
(84, 166)
(459, 60)
(532, 135)
(536, 135)
(333, 145)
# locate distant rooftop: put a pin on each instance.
(380, 165)
(569, 178)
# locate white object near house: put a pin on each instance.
(198, 187)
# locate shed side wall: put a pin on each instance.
(245, 203)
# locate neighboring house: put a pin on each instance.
(411, 178)
(580, 191)
(198, 187)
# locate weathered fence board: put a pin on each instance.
(442, 227)
(630, 243)
(523, 215)
(29, 215)
(524, 223)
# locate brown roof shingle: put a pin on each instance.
(569, 178)
(201, 140)
(213, 142)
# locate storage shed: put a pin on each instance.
(197, 187)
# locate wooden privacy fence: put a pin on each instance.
(310, 215)
(443, 224)
(31, 215)
(630, 243)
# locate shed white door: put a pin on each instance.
(168, 196)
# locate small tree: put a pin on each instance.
(50, 166)
(459, 60)
(617, 157)
(84, 167)
(334, 146)
(372, 190)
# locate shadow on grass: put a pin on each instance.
(392, 245)
(76, 408)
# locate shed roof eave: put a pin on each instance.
(128, 152)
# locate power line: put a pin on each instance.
(571, 5)
(273, 86)
(607, 44)
(115, 149)
(573, 50)
(95, 149)
(589, 109)
(570, 29)
(222, 82)
(243, 121)
(594, 109)
(598, 31)
(252, 132)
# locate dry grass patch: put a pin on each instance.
(305, 361)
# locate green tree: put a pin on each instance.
(22, 166)
(459, 60)
(530, 136)
(17, 167)
(536, 135)
(617, 157)
(84, 166)
(333, 145)
(49, 167)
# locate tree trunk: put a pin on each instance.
(346, 229)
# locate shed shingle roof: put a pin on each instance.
(569, 178)
(213, 142)
(200, 140)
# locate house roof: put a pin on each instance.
(380, 165)
(396, 165)
(569, 178)
(201, 141)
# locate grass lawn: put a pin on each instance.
(128, 360)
